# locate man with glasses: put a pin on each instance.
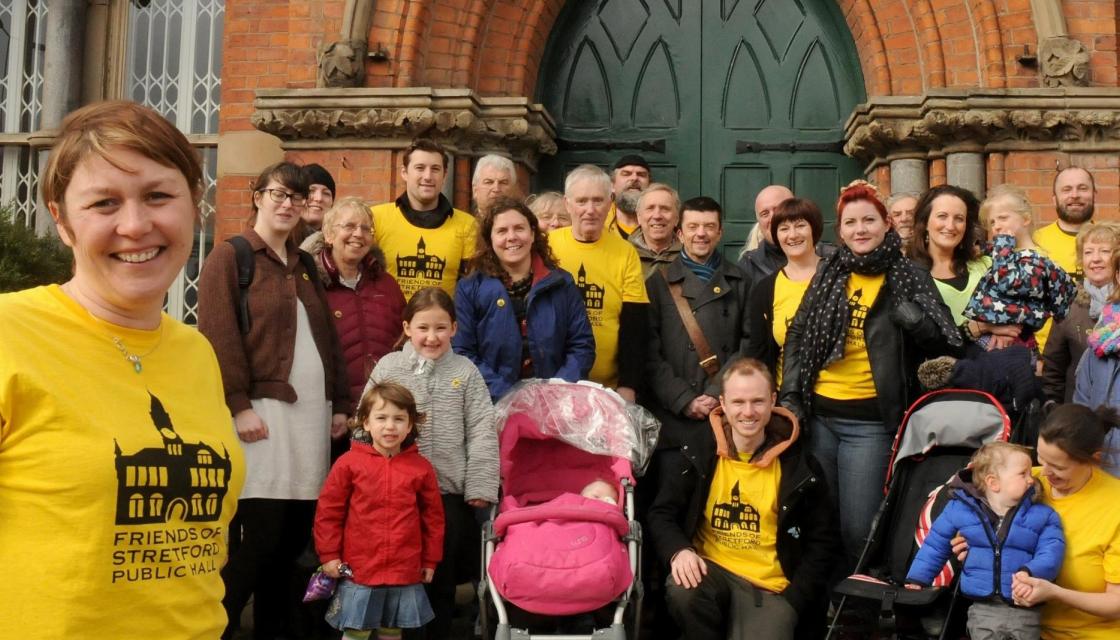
(426, 241)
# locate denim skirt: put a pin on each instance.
(357, 606)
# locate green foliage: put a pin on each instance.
(27, 260)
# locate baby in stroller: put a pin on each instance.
(565, 542)
(993, 507)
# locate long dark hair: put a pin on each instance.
(966, 250)
(484, 258)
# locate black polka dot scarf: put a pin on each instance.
(826, 302)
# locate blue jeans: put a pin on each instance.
(855, 455)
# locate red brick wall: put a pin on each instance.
(906, 47)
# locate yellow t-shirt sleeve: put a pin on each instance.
(633, 284)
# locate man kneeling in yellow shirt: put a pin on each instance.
(742, 518)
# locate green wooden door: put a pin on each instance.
(721, 96)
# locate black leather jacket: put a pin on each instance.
(897, 342)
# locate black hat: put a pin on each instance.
(632, 160)
(316, 174)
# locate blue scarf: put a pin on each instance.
(703, 271)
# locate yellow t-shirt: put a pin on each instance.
(608, 272)
(958, 300)
(420, 258)
(116, 487)
(787, 299)
(1061, 247)
(1091, 520)
(849, 378)
(740, 527)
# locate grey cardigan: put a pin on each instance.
(459, 436)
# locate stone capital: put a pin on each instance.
(1068, 119)
(390, 118)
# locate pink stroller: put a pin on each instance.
(552, 551)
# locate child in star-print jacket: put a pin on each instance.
(1023, 286)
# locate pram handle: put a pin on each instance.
(612, 519)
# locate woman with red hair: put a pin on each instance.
(852, 351)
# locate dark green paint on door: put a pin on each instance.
(722, 97)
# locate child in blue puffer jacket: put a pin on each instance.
(993, 508)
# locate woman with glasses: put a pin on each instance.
(366, 302)
(286, 386)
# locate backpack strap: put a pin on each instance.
(246, 266)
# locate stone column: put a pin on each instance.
(62, 76)
(909, 175)
(967, 170)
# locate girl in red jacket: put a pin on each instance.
(380, 513)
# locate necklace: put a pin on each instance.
(134, 358)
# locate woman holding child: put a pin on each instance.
(1084, 601)
(852, 351)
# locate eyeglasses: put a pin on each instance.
(350, 228)
(279, 196)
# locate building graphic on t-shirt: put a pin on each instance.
(857, 312)
(592, 293)
(421, 265)
(735, 514)
(175, 480)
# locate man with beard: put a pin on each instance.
(1074, 191)
(655, 239)
(629, 178)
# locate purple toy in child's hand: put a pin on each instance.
(321, 586)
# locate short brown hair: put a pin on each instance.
(100, 127)
(794, 209)
(397, 395)
(746, 367)
(989, 458)
(424, 144)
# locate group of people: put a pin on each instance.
(341, 400)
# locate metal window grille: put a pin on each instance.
(174, 66)
(22, 29)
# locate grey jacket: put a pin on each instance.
(459, 436)
(653, 260)
(673, 369)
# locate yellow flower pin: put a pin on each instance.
(456, 383)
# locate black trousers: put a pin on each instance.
(266, 537)
(460, 563)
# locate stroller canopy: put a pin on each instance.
(586, 415)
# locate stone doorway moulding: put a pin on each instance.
(390, 118)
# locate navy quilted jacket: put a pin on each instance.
(1029, 538)
(560, 341)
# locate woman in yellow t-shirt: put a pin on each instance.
(852, 351)
(795, 228)
(1084, 601)
(119, 472)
